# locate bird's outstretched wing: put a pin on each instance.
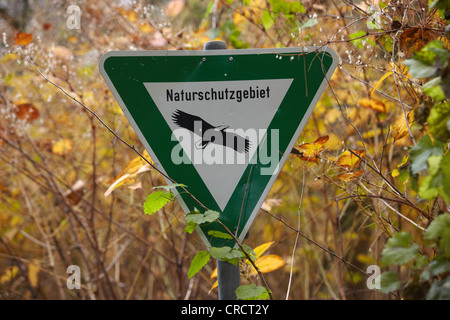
(236, 142)
(185, 120)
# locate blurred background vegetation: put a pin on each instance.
(367, 185)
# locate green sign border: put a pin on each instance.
(125, 73)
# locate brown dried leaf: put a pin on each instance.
(414, 39)
(23, 39)
(47, 26)
(310, 151)
(26, 111)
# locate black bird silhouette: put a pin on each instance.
(229, 139)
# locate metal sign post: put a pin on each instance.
(228, 275)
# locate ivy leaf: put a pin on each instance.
(199, 261)
(398, 250)
(156, 200)
(251, 292)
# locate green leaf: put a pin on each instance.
(251, 292)
(295, 7)
(420, 69)
(424, 63)
(398, 250)
(439, 266)
(199, 261)
(267, 20)
(389, 282)
(359, 40)
(226, 254)
(439, 231)
(308, 24)
(421, 151)
(200, 218)
(426, 190)
(156, 200)
(440, 290)
(438, 119)
(219, 234)
(249, 250)
(433, 164)
(190, 227)
(434, 90)
(400, 239)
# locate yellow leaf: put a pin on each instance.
(395, 173)
(259, 250)
(347, 176)
(213, 274)
(252, 11)
(8, 57)
(33, 271)
(363, 258)
(9, 274)
(215, 285)
(62, 147)
(400, 129)
(135, 167)
(375, 87)
(373, 104)
(146, 28)
(130, 15)
(269, 263)
(348, 160)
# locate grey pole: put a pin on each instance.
(228, 275)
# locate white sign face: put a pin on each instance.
(236, 111)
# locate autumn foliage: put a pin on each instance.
(367, 182)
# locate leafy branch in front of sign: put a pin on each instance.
(158, 199)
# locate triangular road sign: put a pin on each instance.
(222, 122)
